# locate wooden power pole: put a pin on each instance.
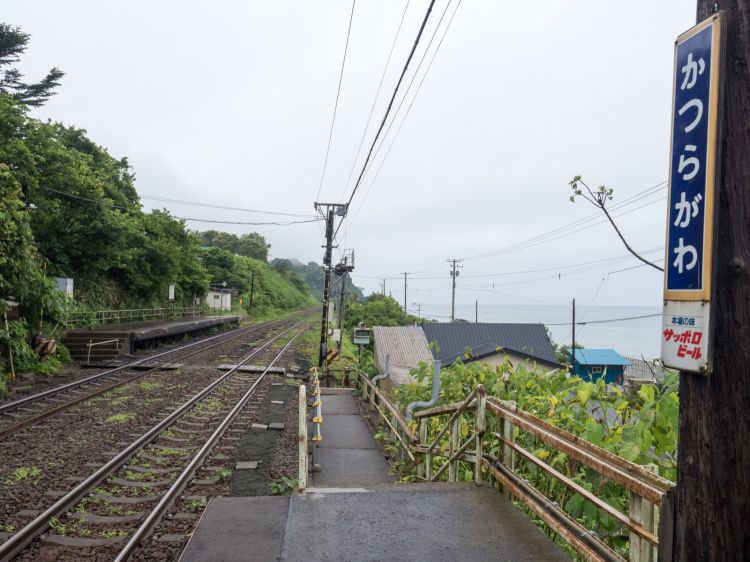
(712, 513)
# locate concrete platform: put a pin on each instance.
(348, 455)
(436, 522)
(131, 334)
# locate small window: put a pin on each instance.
(596, 370)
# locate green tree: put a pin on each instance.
(377, 310)
(13, 43)
(251, 245)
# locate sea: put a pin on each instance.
(633, 337)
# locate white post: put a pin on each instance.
(302, 438)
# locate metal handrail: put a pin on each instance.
(647, 488)
(136, 313)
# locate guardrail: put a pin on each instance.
(134, 314)
(647, 489)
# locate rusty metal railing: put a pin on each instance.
(647, 489)
(92, 343)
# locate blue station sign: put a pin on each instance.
(686, 338)
(693, 163)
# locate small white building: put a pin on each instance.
(219, 299)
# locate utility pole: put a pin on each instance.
(713, 460)
(455, 263)
(329, 211)
(476, 312)
(419, 310)
(405, 274)
(383, 285)
(573, 343)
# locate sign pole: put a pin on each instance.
(713, 483)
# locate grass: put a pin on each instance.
(122, 417)
(120, 400)
(149, 386)
(196, 505)
(22, 473)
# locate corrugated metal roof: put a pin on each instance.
(406, 345)
(483, 339)
(600, 357)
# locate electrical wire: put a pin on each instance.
(223, 207)
(118, 207)
(375, 99)
(408, 109)
(336, 105)
(390, 103)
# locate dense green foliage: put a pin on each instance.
(640, 427)
(377, 310)
(251, 244)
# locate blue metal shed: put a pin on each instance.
(593, 364)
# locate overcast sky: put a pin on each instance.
(230, 103)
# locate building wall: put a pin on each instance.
(515, 360)
(219, 300)
(614, 373)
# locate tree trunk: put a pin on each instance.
(712, 516)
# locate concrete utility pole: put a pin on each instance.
(329, 210)
(405, 274)
(455, 263)
(476, 312)
(419, 310)
(713, 463)
(383, 287)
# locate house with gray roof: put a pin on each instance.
(520, 344)
(526, 344)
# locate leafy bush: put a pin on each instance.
(640, 427)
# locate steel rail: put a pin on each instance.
(40, 524)
(35, 419)
(189, 471)
(57, 390)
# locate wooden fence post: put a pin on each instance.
(509, 456)
(647, 514)
(452, 448)
(481, 427)
(421, 468)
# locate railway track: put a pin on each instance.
(31, 410)
(165, 457)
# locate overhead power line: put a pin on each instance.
(654, 315)
(223, 207)
(408, 109)
(336, 105)
(128, 210)
(393, 98)
(375, 99)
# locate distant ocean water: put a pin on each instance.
(629, 337)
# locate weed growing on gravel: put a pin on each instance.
(113, 533)
(223, 475)
(121, 417)
(22, 473)
(167, 433)
(208, 405)
(55, 464)
(120, 400)
(173, 452)
(57, 527)
(283, 487)
(135, 476)
(8, 528)
(196, 505)
(152, 401)
(149, 386)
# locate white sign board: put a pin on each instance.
(171, 291)
(684, 335)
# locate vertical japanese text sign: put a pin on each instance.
(686, 330)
